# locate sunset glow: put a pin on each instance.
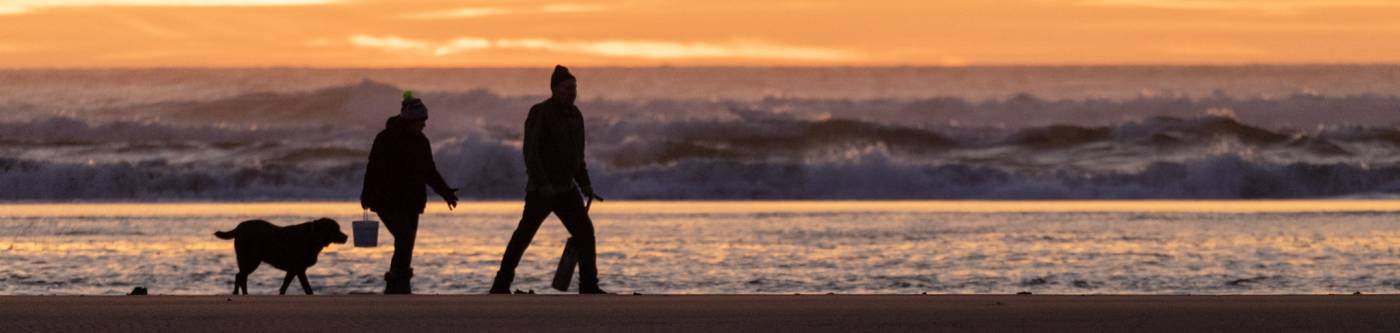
(348, 33)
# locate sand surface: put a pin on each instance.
(700, 313)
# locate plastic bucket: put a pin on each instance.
(366, 232)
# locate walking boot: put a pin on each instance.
(591, 290)
(398, 283)
(388, 282)
(501, 286)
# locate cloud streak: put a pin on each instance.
(474, 12)
(642, 49)
(1269, 6)
(1181, 49)
(467, 12)
(572, 8)
(24, 6)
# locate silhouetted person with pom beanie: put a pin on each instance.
(400, 165)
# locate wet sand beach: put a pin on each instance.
(1041, 313)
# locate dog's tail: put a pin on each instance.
(225, 234)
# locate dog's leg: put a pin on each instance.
(286, 281)
(305, 286)
(246, 265)
(244, 285)
(240, 280)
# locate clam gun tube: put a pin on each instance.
(564, 275)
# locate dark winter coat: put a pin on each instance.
(400, 165)
(553, 147)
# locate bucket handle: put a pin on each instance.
(366, 216)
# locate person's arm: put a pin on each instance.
(428, 168)
(581, 176)
(585, 184)
(534, 165)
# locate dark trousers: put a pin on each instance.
(568, 206)
(404, 227)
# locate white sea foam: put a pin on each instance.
(62, 159)
(309, 140)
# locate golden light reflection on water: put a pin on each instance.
(694, 207)
(717, 246)
(49, 246)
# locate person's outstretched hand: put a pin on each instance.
(588, 192)
(451, 199)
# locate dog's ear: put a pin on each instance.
(322, 223)
(326, 222)
(328, 231)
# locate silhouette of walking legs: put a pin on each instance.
(404, 228)
(530, 220)
(575, 219)
(568, 206)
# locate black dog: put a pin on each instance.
(292, 248)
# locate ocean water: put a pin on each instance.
(1035, 132)
(691, 247)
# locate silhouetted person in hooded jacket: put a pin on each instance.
(554, 163)
(400, 165)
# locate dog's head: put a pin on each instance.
(327, 231)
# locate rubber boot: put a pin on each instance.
(398, 283)
(501, 285)
(591, 289)
(388, 282)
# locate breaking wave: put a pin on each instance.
(848, 160)
(312, 145)
(492, 171)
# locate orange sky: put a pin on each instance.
(377, 33)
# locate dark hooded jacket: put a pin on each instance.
(553, 146)
(400, 165)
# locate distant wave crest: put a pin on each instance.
(1156, 158)
(244, 148)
